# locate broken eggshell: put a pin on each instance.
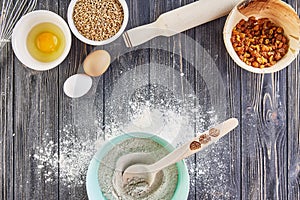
(279, 13)
(77, 85)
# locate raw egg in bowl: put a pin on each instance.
(41, 40)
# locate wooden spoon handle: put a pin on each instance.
(197, 144)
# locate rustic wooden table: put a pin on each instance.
(40, 125)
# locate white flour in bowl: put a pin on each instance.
(165, 182)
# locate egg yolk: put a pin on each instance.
(47, 42)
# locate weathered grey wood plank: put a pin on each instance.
(264, 136)
(6, 125)
(222, 181)
(293, 132)
(233, 79)
(171, 70)
(69, 187)
(293, 124)
(35, 124)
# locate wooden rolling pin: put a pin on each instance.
(178, 20)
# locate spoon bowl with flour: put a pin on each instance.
(138, 186)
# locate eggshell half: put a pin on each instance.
(77, 85)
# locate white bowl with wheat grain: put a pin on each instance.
(84, 39)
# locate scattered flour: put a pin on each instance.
(164, 114)
(67, 159)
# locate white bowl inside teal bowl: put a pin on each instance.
(92, 184)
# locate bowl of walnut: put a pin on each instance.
(262, 36)
(97, 22)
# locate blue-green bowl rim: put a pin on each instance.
(92, 184)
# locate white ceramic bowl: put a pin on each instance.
(278, 12)
(93, 42)
(23, 27)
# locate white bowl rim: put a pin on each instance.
(93, 42)
(37, 65)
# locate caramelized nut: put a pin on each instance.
(279, 30)
(255, 64)
(203, 139)
(214, 132)
(195, 145)
(277, 56)
(256, 27)
(284, 40)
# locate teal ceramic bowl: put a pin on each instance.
(92, 185)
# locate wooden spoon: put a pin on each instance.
(148, 172)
